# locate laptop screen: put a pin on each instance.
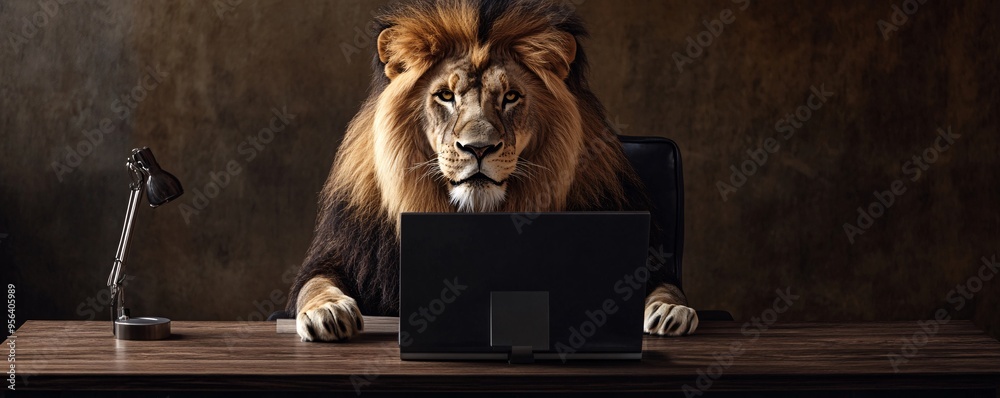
(552, 285)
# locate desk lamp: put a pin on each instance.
(160, 187)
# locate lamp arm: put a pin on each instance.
(117, 277)
(123, 243)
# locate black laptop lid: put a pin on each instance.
(480, 283)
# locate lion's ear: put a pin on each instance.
(402, 49)
(393, 65)
(569, 50)
(553, 50)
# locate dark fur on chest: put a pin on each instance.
(360, 255)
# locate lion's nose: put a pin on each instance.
(480, 151)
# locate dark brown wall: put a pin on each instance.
(783, 228)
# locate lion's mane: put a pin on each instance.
(373, 178)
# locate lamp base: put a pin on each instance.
(142, 328)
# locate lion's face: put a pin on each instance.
(478, 122)
(477, 111)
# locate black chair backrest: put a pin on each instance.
(657, 161)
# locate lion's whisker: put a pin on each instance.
(523, 172)
(429, 162)
(528, 163)
(432, 170)
(527, 169)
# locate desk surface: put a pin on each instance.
(252, 356)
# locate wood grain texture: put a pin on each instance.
(252, 356)
(373, 324)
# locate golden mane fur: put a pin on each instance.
(579, 157)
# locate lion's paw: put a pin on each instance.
(669, 319)
(329, 317)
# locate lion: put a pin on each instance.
(475, 106)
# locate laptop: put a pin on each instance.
(522, 286)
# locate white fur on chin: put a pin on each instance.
(483, 198)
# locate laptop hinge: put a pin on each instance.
(521, 354)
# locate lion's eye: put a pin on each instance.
(511, 97)
(445, 95)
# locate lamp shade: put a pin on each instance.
(161, 186)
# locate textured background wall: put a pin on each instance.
(219, 71)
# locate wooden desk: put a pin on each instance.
(252, 356)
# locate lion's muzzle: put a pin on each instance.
(480, 151)
(478, 164)
(478, 143)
